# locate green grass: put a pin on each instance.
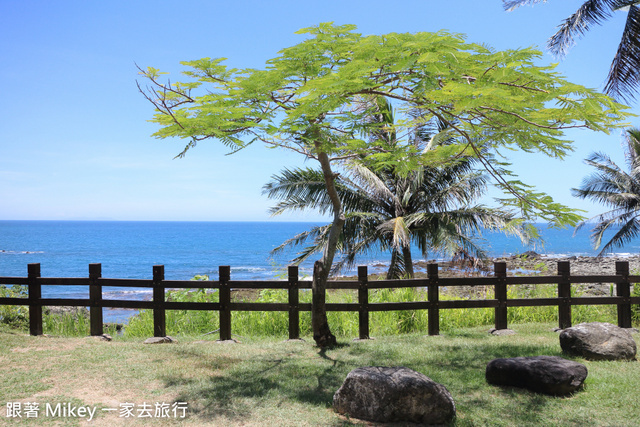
(345, 324)
(265, 381)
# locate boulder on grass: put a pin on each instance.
(383, 394)
(598, 341)
(541, 374)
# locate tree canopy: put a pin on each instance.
(304, 100)
(434, 207)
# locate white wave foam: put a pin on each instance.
(249, 269)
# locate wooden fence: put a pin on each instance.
(499, 280)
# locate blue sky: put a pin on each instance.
(74, 138)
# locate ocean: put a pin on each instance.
(129, 249)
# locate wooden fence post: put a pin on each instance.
(500, 273)
(363, 300)
(95, 296)
(434, 297)
(623, 289)
(564, 293)
(224, 275)
(294, 300)
(35, 305)
(159, 319)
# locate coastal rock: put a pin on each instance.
(541, 374)
(383, 394)
(160, 340)
(530, 254)
(598, 341)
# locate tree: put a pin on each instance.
(617, 189)
(303, 100)
(432, 206)
(624, 76)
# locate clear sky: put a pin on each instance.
(74, 138)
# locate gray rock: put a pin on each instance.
(530, 254)
(159, 340)
(501, 332)
(103, 337)
(598, 341)
(383, 394)
(541, 374)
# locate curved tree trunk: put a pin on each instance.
(319, 324)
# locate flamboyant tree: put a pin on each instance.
(305, 100)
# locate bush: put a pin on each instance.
(15, 316)
(635, 308)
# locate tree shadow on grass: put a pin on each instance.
(236, 388)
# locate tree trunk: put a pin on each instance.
(319, 324)
(408, 262)
(392, 272)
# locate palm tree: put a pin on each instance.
(624, 76)
(616, 189)
(432, 207)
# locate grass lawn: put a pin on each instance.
(271, 382)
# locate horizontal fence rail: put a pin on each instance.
(499, 280)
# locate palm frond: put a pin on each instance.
(628, 231)
(609, 185)
(624, 76)
(510, 5)
(591, 12)
(370, 183)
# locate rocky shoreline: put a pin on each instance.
(535, 264)
(532, 263)
(580, 265)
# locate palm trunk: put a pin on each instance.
(319, 323)
(408, 262)
(392, 273)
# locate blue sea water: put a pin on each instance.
(130, 250)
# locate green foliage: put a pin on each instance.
(179, 322)
(345, 324)
(305, 100)
(15, 316)
(434, 206)
(71, 324)
(635, 308)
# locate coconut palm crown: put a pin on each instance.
(624, 75)
(611, 186)
(432, 207)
